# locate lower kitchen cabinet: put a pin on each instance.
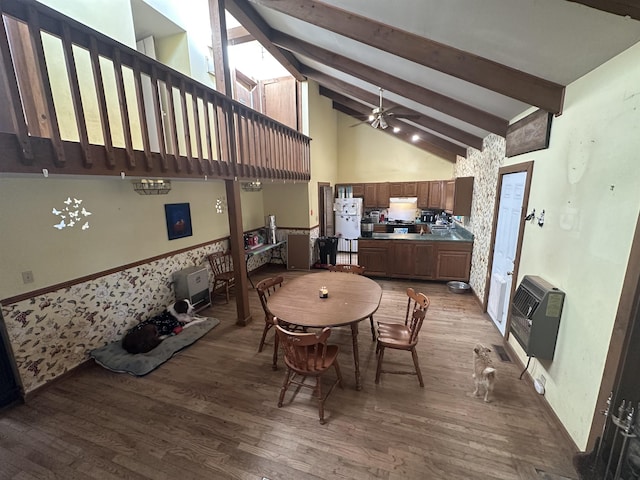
(454, 261)
(373, 255)
(423, 259)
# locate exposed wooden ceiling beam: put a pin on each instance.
(452, 61)
(363, 111)
(429, 98)
(373, 99)
(247, 16)
(405, 136)
(239, 35)
(625, 8)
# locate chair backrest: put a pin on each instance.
(265, 289)
(221, 262)
(415, 324)
(304, 352)
(415, 301)
(347, 268)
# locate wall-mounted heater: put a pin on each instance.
(535, 316)
(192, 283)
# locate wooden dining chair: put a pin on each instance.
(415, 301)
(356, 270)
(308, 355)
(265, 289)
(403, 337)
(223, 275)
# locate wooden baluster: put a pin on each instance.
(43, 74)
(185, 126)
(15, 107)
(142, 114)
(72, 73)
(173, 127)
(124, 110)
(213, 168)
(196, 121)
(102, 102)
(219, 131)
(159, 119)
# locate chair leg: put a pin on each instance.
(379, 367)
(267, 326)
(285, 385)
(338, 372)
(276, 343)
(227, 285)
(414, 354)
(373, 330)
(318, 391)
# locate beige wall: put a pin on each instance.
(587, 184)
(585, 181)
(124, 227)
(369, 155)
(324, 146)
(288, 202)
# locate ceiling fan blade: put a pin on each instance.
(360, 123)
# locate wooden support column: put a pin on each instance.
(223, 84)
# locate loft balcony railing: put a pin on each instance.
(78, 102)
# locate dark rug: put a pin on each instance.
(113, 357)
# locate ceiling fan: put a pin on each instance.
(379, 116)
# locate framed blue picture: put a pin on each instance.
(178, 220)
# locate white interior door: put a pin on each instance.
(504, 249)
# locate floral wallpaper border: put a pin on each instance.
(53, 333)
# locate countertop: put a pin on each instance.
(457, 234)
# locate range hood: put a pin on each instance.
(404, 200)
(402, 208)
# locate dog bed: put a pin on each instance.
(113, 357)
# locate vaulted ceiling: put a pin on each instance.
(459, 69)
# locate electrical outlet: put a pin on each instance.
(27, 277)
(542, 380)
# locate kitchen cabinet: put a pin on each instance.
(358, 189)
(423, 194)
(436, 194)
(379, 228)
(420, 259)
(373, 254)
(454, 261)
(376, 195)
(403, 189)
(458, 196)
(403, 258)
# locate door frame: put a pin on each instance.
(321, 212)
(519, 167)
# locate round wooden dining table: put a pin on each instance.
(351, 298)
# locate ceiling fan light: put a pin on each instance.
(383, 123)
(415, 138)
(375, 123)
(396, 129)
(371, 118)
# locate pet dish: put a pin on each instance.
(458, 287)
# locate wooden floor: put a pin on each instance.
(211, 413)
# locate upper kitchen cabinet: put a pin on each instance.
(376, 195)
(436, 194)
(458, 195)
(403, 189)
(423, 194)
(358, 189)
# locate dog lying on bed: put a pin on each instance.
(148, 334)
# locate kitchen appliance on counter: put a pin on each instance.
(270, 227)
(348, 215)
(375, 216)
(366, 227)
(428, 216)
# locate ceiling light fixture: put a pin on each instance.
(252, 186)
(151, 186)
(396, 129)
(415, 138)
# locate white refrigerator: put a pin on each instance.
(348, 213)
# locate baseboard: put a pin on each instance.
(541, 398)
